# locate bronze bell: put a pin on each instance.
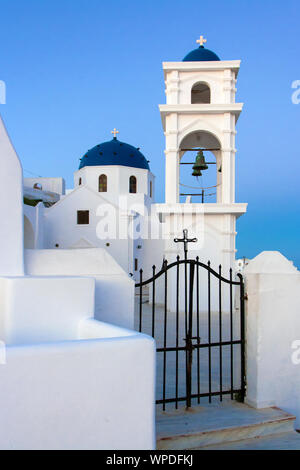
(199, 164)
(196, 170)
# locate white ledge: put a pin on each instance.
(206, 208)
(234, 108)
(209, 65)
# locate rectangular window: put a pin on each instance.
(136, 264)
(83, 217)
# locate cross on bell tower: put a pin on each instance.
(115, 132)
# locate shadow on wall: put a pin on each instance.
(28, 234)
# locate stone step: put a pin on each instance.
(213, 424)
(281, 441)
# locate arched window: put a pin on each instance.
(80, 181)
(200, 93)
(37, 186)
(132, 184)
(150, 188)
(102, 184)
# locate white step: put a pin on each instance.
(213, 424)
(284, 441)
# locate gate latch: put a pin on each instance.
(197, 338)
(193, 337)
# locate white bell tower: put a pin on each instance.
(201, 113)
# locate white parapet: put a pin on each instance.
(114, 290)
(68, 381)
(11, 204)
(37, 309)
(80, 394)
(273, 333)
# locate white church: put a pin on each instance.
(112, 205)
(76, 369)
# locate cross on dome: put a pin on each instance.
(201, 41)
(115, 132)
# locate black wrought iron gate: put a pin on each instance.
(206, 379)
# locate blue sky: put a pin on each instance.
(76, 69)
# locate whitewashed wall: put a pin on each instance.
(54, 185)
(39, 309)
(114, 293)
(96, 392)
(61, 226)
(220, 76)
(273, 333)
(11, 203)
(117, 180)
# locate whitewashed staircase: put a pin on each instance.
(229, 425)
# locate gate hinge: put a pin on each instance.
(245, 296)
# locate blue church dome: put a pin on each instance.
(114, 152)
(201, 54)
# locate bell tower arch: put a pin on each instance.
(213, 110)
(200, 142)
